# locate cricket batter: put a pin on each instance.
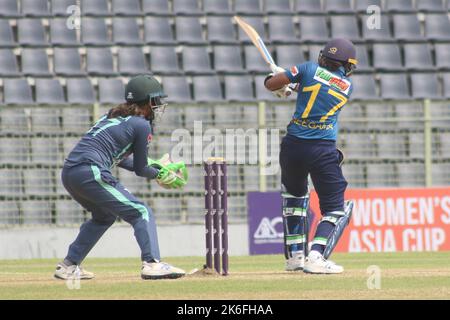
(124, 130)
(310, 148)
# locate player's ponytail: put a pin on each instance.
(126, 109)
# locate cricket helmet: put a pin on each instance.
(342, 51)
(143, 89)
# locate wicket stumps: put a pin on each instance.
(216, 214)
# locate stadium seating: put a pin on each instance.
(52, 75)
(126, 31)
(227, 59)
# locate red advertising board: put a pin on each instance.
(395, 220)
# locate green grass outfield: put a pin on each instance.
(403, 276)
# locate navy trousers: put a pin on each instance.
(100, 193)
(320, 159)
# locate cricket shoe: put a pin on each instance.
(316, 263)
(65, 272)
(296, 262)
(160, 270)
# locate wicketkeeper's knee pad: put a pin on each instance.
(295, 221)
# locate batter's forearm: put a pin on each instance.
(276, 81)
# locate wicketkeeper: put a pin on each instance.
(310, 148)
(124, 131)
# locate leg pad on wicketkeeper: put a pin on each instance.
(295, 221)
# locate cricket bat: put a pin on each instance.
(258, 43)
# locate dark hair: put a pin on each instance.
(126, 109)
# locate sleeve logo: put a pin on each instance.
(294, 71)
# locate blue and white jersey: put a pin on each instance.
(321, 96)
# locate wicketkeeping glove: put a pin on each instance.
(171, 175)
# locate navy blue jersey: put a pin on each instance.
(110, 142)
(321, 96)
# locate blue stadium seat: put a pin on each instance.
(313, 29)
(254, 62)
(156, 7)
(247, 7)
(387, 57)
(277, 7)
(94, 32)
(111, 91)
(94, 8)
(308, 7)
(8, 64)
(227, 59)
(281, 29)
(364, 87)
(289, 56)
(177, 89)
(131, 61)
(207, 89)
(35, 8)
(394, 86)
(442, 51)
(126, 8)
(437, 27)
(220, 30)
(9, 9)
(338, 6)
(60, 35)
(35, 62)
(238, 88)
(67, 62)
(126, 32)
(17, 91)
(345, 27)
(433, 6)
(189, 30)
(383, 34)
(59, 7)
(186, 7)
(216, 7)
(31, 33)
(363, 59)
(362, 5)
(399, 6)
(80, 91)
(196, 60)
(158, 31)
(100, 62)
(407, 27)
(49, 91)
(418, 57)
(6, 34)
(446, 84)
(164, 60)
(425, 85)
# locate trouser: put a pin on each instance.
(106, 198)
(322, 161)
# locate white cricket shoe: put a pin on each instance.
(316, 263)
(160, 270)
(296, 262)
(65, 272)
